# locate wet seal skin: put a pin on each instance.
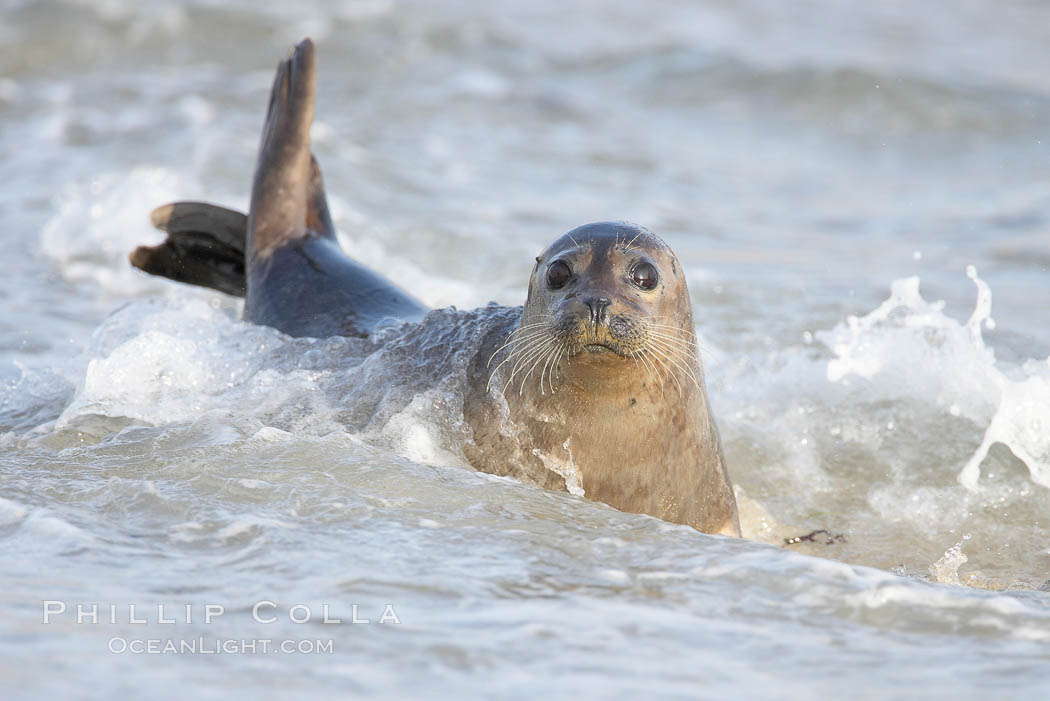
(598, 389)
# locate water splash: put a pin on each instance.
(946, 569)
(905, 337)
(1021, 423)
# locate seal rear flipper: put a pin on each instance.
(205, 246)
(282, 190)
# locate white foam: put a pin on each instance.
(413, 434)
(908, 347)
(272, 434)
(247, 525)
(43, 527)
(616, 576)
(11, 512)
(160, 362)
(1022, 424)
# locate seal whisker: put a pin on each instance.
(655, 322)
(512, 339)
(679, 335)
(671, 329)
(686, 355)
(548, 365)
(675, 363)
(534, 351)
(687, 351)
(528, 350)
(668, 369)
(514, 335)
(662, 359)
(684, 352)
(523, 327)
(639, 362)
(528, 337)
(543, 369)
(556, 369)
(659, 318)
(639, 356)
(553, 365)
(627, 249)
(651, 368)
(530, 345)
(678, 331)
(655, 331)
(521, 390)
(688, 373)
(529, 327)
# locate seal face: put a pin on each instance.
(598, 389)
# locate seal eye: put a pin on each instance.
(644, 275)
(558, 274)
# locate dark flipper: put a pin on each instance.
(281, 190)
(299, 281)
(205, 246)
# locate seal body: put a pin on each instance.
(598, 389)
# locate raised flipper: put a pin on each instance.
(283, 174)
(299, 280)
(283, 257)
(205, 246)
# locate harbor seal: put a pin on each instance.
(598, 386)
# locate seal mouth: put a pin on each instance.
(603, 349)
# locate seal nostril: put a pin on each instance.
(599, 307)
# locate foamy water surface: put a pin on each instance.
(859, 196)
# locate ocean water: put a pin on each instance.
(859, 195)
